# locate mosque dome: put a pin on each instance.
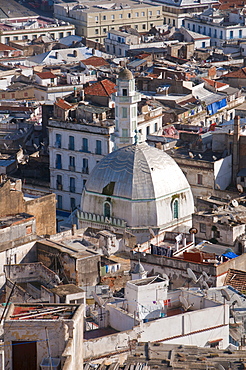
(125, 74)
(139, 184)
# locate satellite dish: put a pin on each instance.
(205, 275)
(220, 367)
(240, 188)
(184, 303)
(225, 294)
(234, 202)
(205, 285)
(192, 275)
(193, 230)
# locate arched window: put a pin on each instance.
(176, 208)
(107, 210)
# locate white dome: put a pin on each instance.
(140, 183)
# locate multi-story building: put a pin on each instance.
(174, 11)
(30, 28)
(93, 19)
(75, 149)
(220, 27)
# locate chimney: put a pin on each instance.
(235, 153)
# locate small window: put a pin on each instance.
(199, 179)
(124, 112)
(107, 210)
(158, 12)
(112, 16)
(72, 204)
(120, 16)
(147, 130)
(59, 182)
(96, 18)
(175, 209)
(96, 31)
(58, 161)
(59, 201)
(98, 147)
(104, 17)
(124, 92)
(72, 184)
(71, 143)
(85, 145)
(129, 15)
(150, 12)
(202, 228)
(143, 14)
(144, 26)
(137, 14)
(104, 30)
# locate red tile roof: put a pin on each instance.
(240, 73)
(61, 103)
(101, 88)
(95, 62)
(214, 83)
(45, 75)
(4, 47)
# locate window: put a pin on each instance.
(215, 33)
(85, 145)
(6, 40)
(193, 28)
(147, 130)
(136, 26)
(144, 26)
(59, 182)
(124, 112)
(98, 147)
(85, 168)
(164, 20)
(175, 208)
(68, 33)
(71, 163)
(60, 35)
(72, 204)
(58, 161)
(59, 201)
(202, 228)
(203, 44)
(242, 179)
(174, 22)
(231, 34)
(129, 15)
(240, 34)
(107, 210)
(96, 18)
(112, 16)
(104, 30)
(209, 31)
(199, 179)
(137, 14)
(150, 12)
(158, 12)
(188, 26)
(120, 16)
(15, 38)
(71, 143)
(72, 184)
(104, 17)
(96, 31)
(143, 14)
(156, 127)
(221, 34)
(124, 132)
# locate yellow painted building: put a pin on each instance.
(93, 19)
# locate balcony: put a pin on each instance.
(71, 168)
(59, 186)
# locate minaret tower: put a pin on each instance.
(126, 101)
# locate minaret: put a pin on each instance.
(126, 109)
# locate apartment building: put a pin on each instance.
(93, 19)
(30, 28)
